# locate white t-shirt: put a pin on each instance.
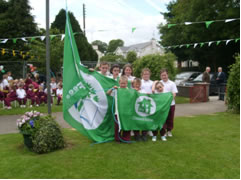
(131, 78)
(21, 93)
(53, 85)
(170, 86)
(10, 78)
(146, 86)
(59, 92)
(1, 86)
(5, 83)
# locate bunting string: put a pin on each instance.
(32, 38)
(201, 44)
(207, 23)
(23, 54)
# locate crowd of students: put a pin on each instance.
(143, 85)
(31, 88)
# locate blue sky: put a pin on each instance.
(116, 17)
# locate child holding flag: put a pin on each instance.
(123, 81)
(159, 87)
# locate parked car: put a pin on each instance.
(185, 76)
(213, 89)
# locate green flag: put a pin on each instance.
(133, 29)
(86, 106)
(170, 25)
(137, 111)
(208, 23)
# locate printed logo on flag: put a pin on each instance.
(90, 111)
(145, 106)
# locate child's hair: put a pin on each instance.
(114, 66)
(145, 69)
(104, 63)
(164, 70)
(53, 79)
(31, 86)
(13, 87)
(21, 85)
(124, 68)
(158, 84)
(136, 80)
(60, 85)
(123, 78)
(5, 76)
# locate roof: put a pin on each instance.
(135, 46)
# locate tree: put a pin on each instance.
(102, 46)
(113, 44)
(38, 48)
(181, 11)
(155, 62)
(16, 21)
(131, 57)
(112, 58)
(86, 52)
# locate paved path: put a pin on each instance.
(8, 123)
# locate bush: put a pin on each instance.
(48, 137)
(155, 63)
(233, 86)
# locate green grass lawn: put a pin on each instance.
(44, 109)
(206, 146)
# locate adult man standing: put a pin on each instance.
(220, 83)
(206, 76)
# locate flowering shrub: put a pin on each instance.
(28, 123)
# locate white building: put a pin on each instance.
(141, 49)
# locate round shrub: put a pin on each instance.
(155, 63)
(233, 86)
(48, 137)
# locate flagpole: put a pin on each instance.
(48, 57)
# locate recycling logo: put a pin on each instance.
(145, 106)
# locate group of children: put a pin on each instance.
(21, 90)
(143, 85)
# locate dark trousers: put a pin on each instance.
(137, 133)
(126, 135)
(7, 101)
(169, 124)
(43, 99)
(34, 100)
(59, 99)
(22, 101)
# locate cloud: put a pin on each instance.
(116, 17)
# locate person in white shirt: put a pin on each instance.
(169, 86)
(5, 81)
(59, 93)
(146, 83)
(21, 96)
(128, 71)
(53, 86)
(115, 71)
(9, 73)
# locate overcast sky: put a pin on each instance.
(109, 19)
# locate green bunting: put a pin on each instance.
(170, 25)
(133, 29)
(187, 45)
(32, 39)
(208, 23)
(201, 44)
(218, 42)
(236, 40)
(52, 37)
(14, 41)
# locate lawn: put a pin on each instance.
(206, 146)
(44, 109)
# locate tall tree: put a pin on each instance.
(86, 52)
(15, 21)
(102, 46)
(113, 44)
(181, 11)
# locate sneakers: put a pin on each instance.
(30, 106)
(163, 138)
(9, 107)
(169, 133)
(153, 138)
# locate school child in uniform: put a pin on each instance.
(1, 91)
(137, 86)
(159, 87)
(128, 71)
(21, 96)
(126, 136)
(104, 67)
(53, 86)
(115, 71)
(169, 86)
(146, 87)
(28, 81)
(32, 96)
(11, 96)
(59, 93)
(42, 95)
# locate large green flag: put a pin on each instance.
(86, 106)
(137, 111)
